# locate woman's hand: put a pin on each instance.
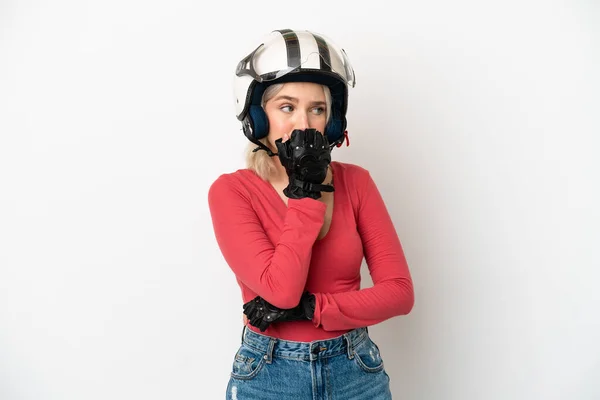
(306, 156)
(261, 313)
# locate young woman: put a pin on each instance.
(294, 227)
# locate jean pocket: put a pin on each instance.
(368, 356)
(247, 363)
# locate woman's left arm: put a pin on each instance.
(392, 291)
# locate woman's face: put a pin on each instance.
(298, 105)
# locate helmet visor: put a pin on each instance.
(294, 51)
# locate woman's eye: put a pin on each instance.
(318, 110)
(286, 108)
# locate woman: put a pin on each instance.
(294, 227)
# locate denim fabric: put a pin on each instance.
(348, 367)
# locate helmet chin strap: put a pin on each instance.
(261, 146)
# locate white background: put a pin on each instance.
(478, 120)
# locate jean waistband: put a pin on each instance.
(274, 347)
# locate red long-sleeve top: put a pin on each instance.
(274, 252)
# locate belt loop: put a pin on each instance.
(350, 346)
(269, 356)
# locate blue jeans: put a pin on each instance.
(347, 367)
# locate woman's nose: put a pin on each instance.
(302, 121)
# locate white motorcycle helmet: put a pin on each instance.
(292, 56)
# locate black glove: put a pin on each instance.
(305, 157)
(261, 314)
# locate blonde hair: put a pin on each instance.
(259, 161)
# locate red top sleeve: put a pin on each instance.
(392, 291)
(275, 271)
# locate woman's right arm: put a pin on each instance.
(275, 271)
